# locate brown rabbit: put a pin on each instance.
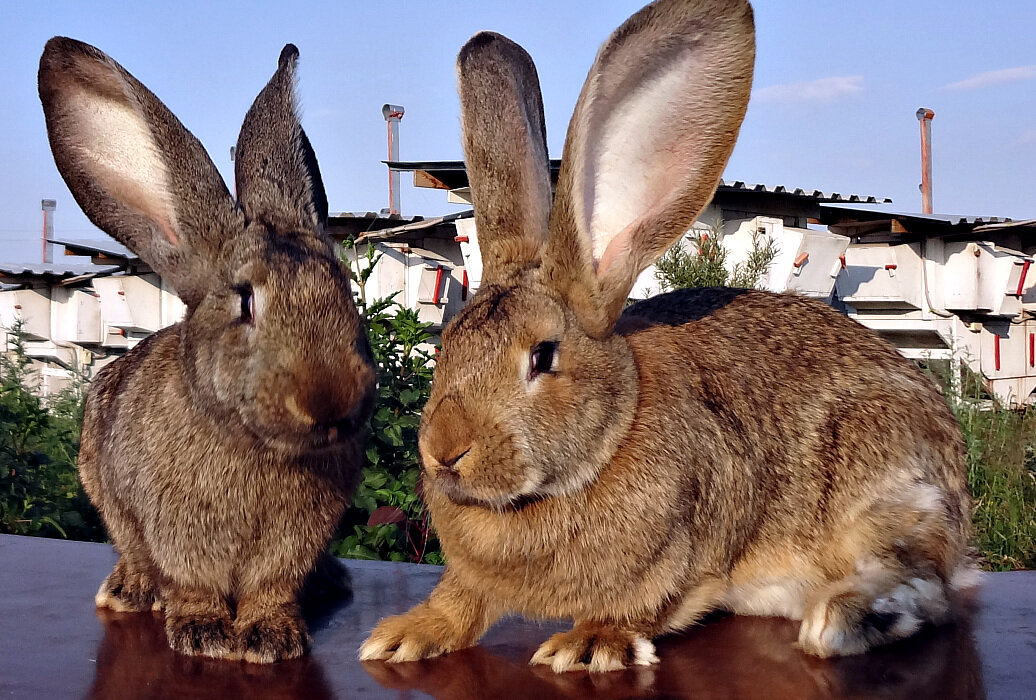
(220, 451)
(706, 449)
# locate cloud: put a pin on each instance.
(822, 90)
(994, 77)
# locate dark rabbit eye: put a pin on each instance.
(543, 358)
(247, 303)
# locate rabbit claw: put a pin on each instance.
(595, 647)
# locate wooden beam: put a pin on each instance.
(423, 179)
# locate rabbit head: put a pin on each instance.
(271, 339)
(533, 389)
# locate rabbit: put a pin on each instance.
(220, 451)
(634, 469)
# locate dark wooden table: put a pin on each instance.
(53, 644)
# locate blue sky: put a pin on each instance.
(836, 88)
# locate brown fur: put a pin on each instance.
(220, 452)
(709, 449)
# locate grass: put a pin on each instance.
(1001, 459)
(1001, 448)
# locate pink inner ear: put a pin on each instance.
(665, 171)
(622, 244)
(618, 247)
(119, 153)
(148, 203)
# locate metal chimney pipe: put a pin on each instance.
(925, 116)
(233, 164)
(49, 205)
(393, 115)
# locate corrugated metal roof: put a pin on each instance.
(1008, 224)
(372, 215)
(349, 224)
(738, 185)
(453, 174)
(59, 270)
(880, 212)
(103, 246)
(424, 225)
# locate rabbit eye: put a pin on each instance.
(247, 303)
(543, 358)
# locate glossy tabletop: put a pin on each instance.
(53, 644)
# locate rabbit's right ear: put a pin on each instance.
(137, 173)
(505, 152)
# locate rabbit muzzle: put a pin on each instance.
(316, 412)
(336, 421)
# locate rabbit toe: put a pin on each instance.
(274, 639)
(595, 648)
(403, 638)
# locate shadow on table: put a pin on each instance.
(732, 657)
(135, 661)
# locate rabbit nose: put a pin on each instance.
(445, 468)
(446, 437)
(343, 427)
(337, 410)
(448, 463)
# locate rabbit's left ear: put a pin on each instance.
(505, 151)
(275, 168)
(652, 131)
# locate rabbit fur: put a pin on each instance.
(709, 449)
(220, 451)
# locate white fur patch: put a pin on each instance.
(965, 577)
(915, 602)
(119, 152)
(925, 497)
(643, 652)
(103, 600)
(774, 598)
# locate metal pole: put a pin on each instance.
(393, 115)
(925, 116)
(49, 205)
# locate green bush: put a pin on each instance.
(40, 492)
(387, 519)
(705, 266)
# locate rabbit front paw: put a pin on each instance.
(209, 635)
(273, 639)
(595, 647)
(128, 589)
(418, 634)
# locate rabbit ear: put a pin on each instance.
(651, 133)
(278, 181)
(505, 151)
(137, 173)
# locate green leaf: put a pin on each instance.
(394, 434)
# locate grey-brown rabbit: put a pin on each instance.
(220, 451)
(710, 449)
